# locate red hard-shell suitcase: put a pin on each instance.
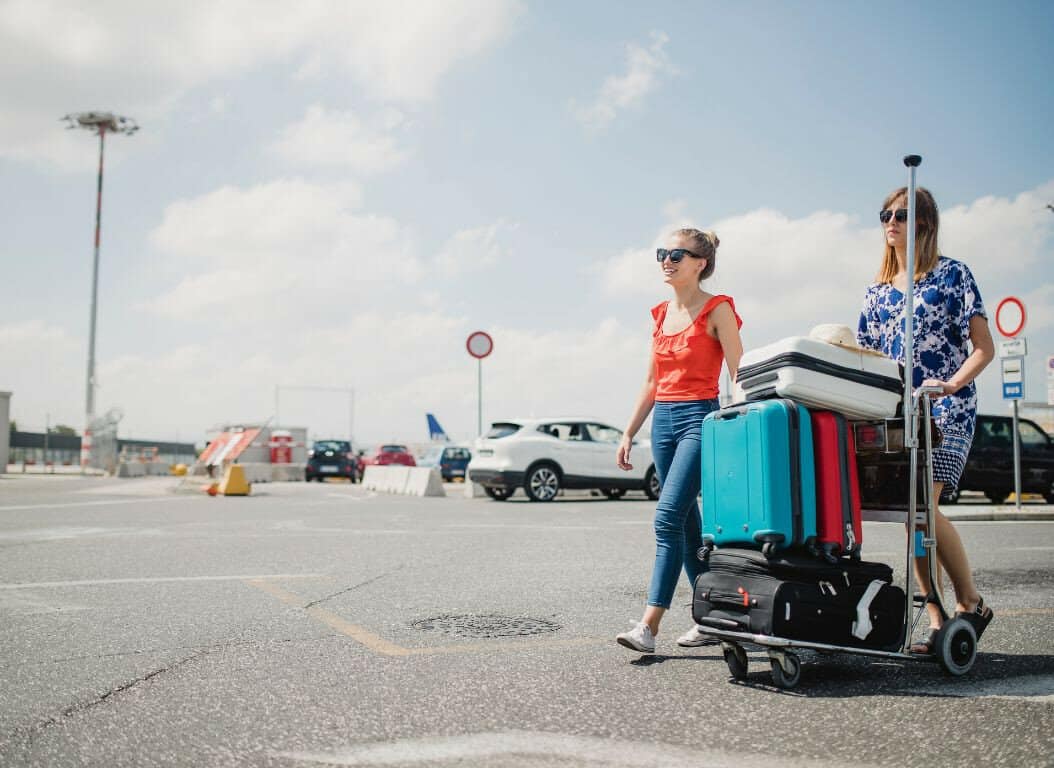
(838, 528)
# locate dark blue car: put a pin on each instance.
(450, 460)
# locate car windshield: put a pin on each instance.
(331, 445)
(393, 449)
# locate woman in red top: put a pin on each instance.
(693, 334)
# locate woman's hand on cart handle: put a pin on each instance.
(937, 388)
(622, 455)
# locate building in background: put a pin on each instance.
(38, 448)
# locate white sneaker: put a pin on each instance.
(639, 639)
(694, 638)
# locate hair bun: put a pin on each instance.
(713, 238)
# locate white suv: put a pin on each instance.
(545, 455)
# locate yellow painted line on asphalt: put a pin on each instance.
(1026, 612)
(356, 633)
(332, 620)
(379, 645)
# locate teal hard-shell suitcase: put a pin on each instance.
(759, 482)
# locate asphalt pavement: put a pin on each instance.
(319, 624)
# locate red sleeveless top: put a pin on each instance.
(688, 363)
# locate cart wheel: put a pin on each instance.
(703, 553)
(789, 677)
(957, 646)
(736, 659)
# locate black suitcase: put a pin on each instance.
(801, 598)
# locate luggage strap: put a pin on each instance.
(862, 625)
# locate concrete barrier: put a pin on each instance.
(424, 481)
(397, 477)
(415, 481)
(258, 472)
(131, 469)
(374, 477)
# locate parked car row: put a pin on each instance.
(335, 458)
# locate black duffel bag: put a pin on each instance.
(848, 603)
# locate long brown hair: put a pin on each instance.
(927, 222)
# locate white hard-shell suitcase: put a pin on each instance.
(857, 383)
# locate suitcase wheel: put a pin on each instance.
(786, 670)
(736, 659)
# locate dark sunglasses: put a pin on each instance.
(676, 255)
(901, 215)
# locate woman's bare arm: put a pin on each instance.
(641, 409)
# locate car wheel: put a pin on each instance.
(613, 493)
(1049, 497)
(950, 496)
(997, 497)
(499, 494)
(542, 482)
(652, 488)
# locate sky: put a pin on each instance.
(326, 198)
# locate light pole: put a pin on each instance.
(98, 122)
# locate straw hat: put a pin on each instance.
(840, 336)
(833, 333)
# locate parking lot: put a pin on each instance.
(319, 624)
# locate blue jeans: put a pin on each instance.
(676, 443)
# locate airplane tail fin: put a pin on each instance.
(436, 432)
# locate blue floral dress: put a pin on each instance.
(946, 299)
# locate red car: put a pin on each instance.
(388, 454)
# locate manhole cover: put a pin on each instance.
(486, 625)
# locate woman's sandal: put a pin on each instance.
(925, 647)
(980, 617)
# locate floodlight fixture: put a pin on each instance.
(101, 122)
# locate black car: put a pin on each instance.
(990, 465)
(331, 458)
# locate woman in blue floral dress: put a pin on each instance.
(952, 346)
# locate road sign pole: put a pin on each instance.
(1017, 462)
(479, 345)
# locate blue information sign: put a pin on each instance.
(1013, 378)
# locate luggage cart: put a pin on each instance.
(956, 642)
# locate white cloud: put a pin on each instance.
(645, 67)
(56, 57)
(473, 248)
(44, 367)
(1003, 235)
(324, 138)
(264, 254)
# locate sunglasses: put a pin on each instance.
(676, 255)
(901, 215)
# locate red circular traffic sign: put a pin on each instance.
(479, 344)
(1010, 317)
